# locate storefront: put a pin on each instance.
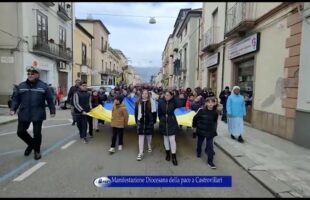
(242, 55)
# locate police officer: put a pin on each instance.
(30, 100)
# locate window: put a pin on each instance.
(101, 43)
(62, 37)
(62, 4)
(42, 28)
(84, 53)
(214, 17)
(102, 65)
(106, 65)
(185, 30)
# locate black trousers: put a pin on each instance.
(117, 132)
(36, 140)
(224, 115)
(82, 121)
(209, 147)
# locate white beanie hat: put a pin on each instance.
(235, 87)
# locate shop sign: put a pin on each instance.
(213, 60)
(247, 45)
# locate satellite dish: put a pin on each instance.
(152, 20)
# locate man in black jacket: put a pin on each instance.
(224, 96)
(73, 90)
(30, 99)
(82, 105)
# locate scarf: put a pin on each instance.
(153, 108)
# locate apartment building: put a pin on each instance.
(36, 34)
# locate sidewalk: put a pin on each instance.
(5, 115)
(280, 165)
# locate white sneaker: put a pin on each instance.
(120, 147)
(139, 157)
(149, 149)
(112, 150)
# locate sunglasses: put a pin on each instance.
(30, 74)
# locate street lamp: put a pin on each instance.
(152, 20)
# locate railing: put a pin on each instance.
(211, 37)
(50, 49)
(240, 12)
(64, 13)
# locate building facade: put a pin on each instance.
(100, 54)
(256, 46)
(82, 43)
(38, 34)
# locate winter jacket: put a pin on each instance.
(188, 104)
(236, 106)
(30, 98)
(168, 125)
(206, 122)
(95, 101)
(82, 101)
(196, 105)
(72, 90)
(145, 125)
(224, 96)
(120, 116)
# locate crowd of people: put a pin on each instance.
(151, 103)
(202, 101)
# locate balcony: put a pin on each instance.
(210, 39)
(240, 18)
(86, 62)
(50, 49)
(104, 49)
(64, 13)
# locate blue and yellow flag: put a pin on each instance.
(184, 116)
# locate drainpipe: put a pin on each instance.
(224, 48)
(199, 80)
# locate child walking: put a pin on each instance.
(206, 123)
(119, 121)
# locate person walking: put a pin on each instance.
(72, 91)
(168, 124)
(82, 105)
(205, 122)
(95, 101)
(223, 100)
(236, 111)
(119, 120)
(30, 100)
(145, 122)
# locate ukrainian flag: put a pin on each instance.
(184, 116)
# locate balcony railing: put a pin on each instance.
(50, 49)
(240, 18)
(49, 4)
(64, 13)
(210, 39)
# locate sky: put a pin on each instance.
(141, 42)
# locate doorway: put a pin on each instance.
(244, 78)
(212, 79)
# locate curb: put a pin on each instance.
(8, 121)
(278, 188)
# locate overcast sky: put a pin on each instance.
(141, 42)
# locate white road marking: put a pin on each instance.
(14, 132)
(68, 144)
(29, 171)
